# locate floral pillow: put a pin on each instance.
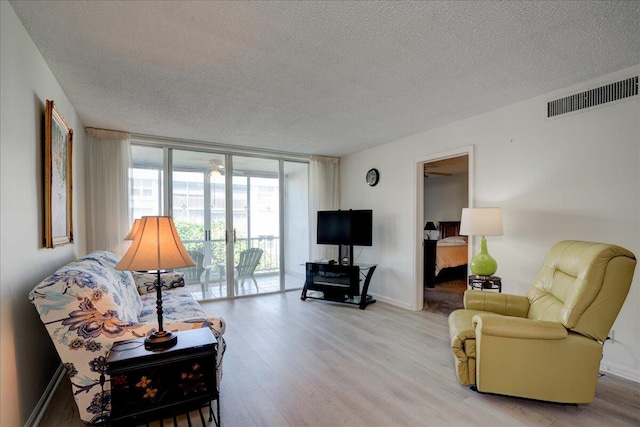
(145, 282)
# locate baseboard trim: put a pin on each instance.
(620, 371)
(42, 405)
(391, 301)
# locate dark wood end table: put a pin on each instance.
(153, 385)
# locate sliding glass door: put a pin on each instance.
(256, 225)
(198, 208)
(243, 219)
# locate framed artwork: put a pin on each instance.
(58, 141)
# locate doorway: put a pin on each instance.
(444, 187)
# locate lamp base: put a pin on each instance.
(161, 340)
(483, 264)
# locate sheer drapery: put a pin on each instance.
(107, 163)
(324, 194)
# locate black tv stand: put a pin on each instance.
(338, 283)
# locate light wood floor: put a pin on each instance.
(312, 363)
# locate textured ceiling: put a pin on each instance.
(322, 77)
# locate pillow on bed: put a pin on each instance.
(453, 240)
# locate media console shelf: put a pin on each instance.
(338, 283)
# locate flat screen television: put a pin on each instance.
(352, 227)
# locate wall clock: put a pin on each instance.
(373, 176)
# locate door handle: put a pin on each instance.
(234, 235)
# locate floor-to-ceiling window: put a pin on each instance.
(256, 224)
(199, 211)
(146, 196)
(243, 218)
(296, 222)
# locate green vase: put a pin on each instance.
(483, 264)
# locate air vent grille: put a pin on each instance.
(601, 95)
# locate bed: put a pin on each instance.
(450, 258)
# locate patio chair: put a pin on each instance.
(199, 273)
(192, 274)
(245, 269)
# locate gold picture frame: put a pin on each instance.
(58, 184)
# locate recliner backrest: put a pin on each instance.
(583, 286)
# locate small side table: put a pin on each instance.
(148, 386)
(485, 283)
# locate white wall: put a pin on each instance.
(444, 198)
(28, 359)
(572, 177)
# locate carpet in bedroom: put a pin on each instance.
(445, 297)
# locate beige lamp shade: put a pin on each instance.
(481, 222)
(156, 246)
(133, 231)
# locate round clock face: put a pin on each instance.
(373, 176)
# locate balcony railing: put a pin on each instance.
(269, 262)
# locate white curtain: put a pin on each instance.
(107, 163)
(324, 194)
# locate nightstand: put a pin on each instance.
(429, 261)
(485, 283)
(152, 385)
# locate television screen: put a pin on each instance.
(333, 227)
(361, 228)
(345, 227)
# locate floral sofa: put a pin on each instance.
(87, 305)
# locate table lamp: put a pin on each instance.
(429, 227)
(156, 246)
(133, 231)
(482, 222)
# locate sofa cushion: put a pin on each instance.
(177, 304)
(94, 278)
(145, 282)
(118, 285)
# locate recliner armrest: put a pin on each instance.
(517, 327)
(505, 304)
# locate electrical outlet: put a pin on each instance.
(612, 336)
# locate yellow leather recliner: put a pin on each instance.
(546, 345)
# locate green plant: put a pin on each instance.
(192, 235)
(193, 238)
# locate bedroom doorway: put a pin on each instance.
(444, 188)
